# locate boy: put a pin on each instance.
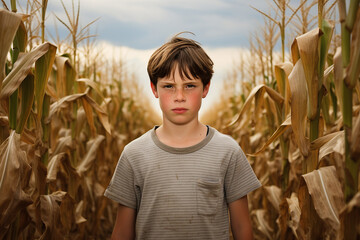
(179, 180)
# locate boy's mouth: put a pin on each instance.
(179, 110)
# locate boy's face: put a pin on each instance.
(180, 98)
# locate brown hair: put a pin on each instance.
(189, 56)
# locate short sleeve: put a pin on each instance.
(121, 188)
(240, 178)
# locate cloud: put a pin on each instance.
(145, 24)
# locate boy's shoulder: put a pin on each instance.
(223, 136)
(139, 143)
(225, 140)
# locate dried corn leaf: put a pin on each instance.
(60, 163)
(88, 160)
(258, 107)
(28, 137)
(276, 134)
(78, 213)
(38, 177)
(57, 215)
(64, 103)
(8, 27)
(93, 85)
(333, 142)
(255, 139)
(294, 213)
(282, 72)
(259, 217)
(259, 92)
(49, 90)
(54, 166)
(350, 213)
(327, 195)
(89, 116)
(65, 76)
(98, 190)
(295, 54)
(103, 117)
(63, 144)
(80, 121)
(308, 46)
(61, 75)
(21, 69)
(14, 177)
(273, 194)
(299, 103)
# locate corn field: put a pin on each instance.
(66, 114)
(65, 117)
(297, 118)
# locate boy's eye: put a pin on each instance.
(167, 86)
(190, 86)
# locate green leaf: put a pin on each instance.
(43, 68)
(71, 84)
(353, 70)
(27, 99)
(13, 105)
(20, 42)
(327, 28)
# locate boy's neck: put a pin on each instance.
(181, 135)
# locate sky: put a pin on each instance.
(137, 27)
(145, 24)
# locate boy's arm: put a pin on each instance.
(240, 219)
(124, 228)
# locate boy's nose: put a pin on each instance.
(180, 95)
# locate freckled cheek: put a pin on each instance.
(195, 99)
(165, 100)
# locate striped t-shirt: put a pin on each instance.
(182, 193)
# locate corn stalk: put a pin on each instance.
(350, 63)
(352, 76)
(281, 79)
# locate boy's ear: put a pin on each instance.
(153, 88)
(206, 90)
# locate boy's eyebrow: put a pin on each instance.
(184, 81)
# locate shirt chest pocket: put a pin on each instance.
(208, 195)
